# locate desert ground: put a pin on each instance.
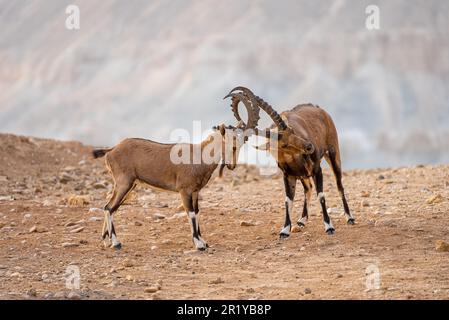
(49, 227)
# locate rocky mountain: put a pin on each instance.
(146, 68)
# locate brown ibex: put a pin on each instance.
(299, 139)
(153, 163)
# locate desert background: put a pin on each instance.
(149, 68)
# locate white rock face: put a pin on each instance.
(145, 68)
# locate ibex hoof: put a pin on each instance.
(283, 236)
(351, 221)
(117, 246)
(330, 231)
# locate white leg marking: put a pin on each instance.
(286, 230)
(115, 242)
(328, 226)
(320, 195)
(199, 243)
(303, 220)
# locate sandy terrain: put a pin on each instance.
(401, 215)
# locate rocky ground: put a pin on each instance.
(50, 230)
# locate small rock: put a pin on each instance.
(250, 290)
(380, 177)
(76, 230)
(3, 178)
(32, 292)
(83, 241)
(307, 291)
(96, 210)
(128, 263)
(129, 277)
(441, 246)
(339, 275)
(59, 295)
(99, 185)
(74, 295)
(151, 289)
(153, 247)
(295, 229)
(137, 223)
(365, 194)
(6, 198)
(259, 238)
(364, 203)
(77, 201)
(158, 216)
(302, 248)
(69, 245)
(216, 281)
(246, 224)
(94, 219)
(33, 229)
(437, 198)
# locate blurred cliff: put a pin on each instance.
(145, 68)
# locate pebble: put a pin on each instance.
(151, 289)
(32, 292)
(94, 219)
(365, 194)
(74, 295)
(441, 246)
(137, 223)
(158, 216)
(33, 229)
(246, 224)
(216, 281)
(364, 203)
(307, 291)
(76, 230)
(153, 247)
(437, 198)
(128, 263)
(69, 245)
(129, 278)
(295, 229)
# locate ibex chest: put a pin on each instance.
(296, 165)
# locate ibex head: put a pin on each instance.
(234, 137)
(282, 135)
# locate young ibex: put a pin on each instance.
(299, 139)
(153, 163)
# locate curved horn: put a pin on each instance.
(272, 113)
(264, 106)
(250, 105)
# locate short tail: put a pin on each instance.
(98, 153)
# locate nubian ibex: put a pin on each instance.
(299, 139)
(159, 165)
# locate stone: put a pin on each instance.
(70, 245)
(247, 224)
(33, 229)
(441, 246)
(99, 185)
(32, 292)
(128, 263)
(364, 203)
(78, 201)
(159, 216)
(216, 281)
(137, 223)
(73, 295)
(307, 291)
(437, 198)
(129, 277)
(151, 289)
(365, 194)
(77, 230)
(295, 229)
